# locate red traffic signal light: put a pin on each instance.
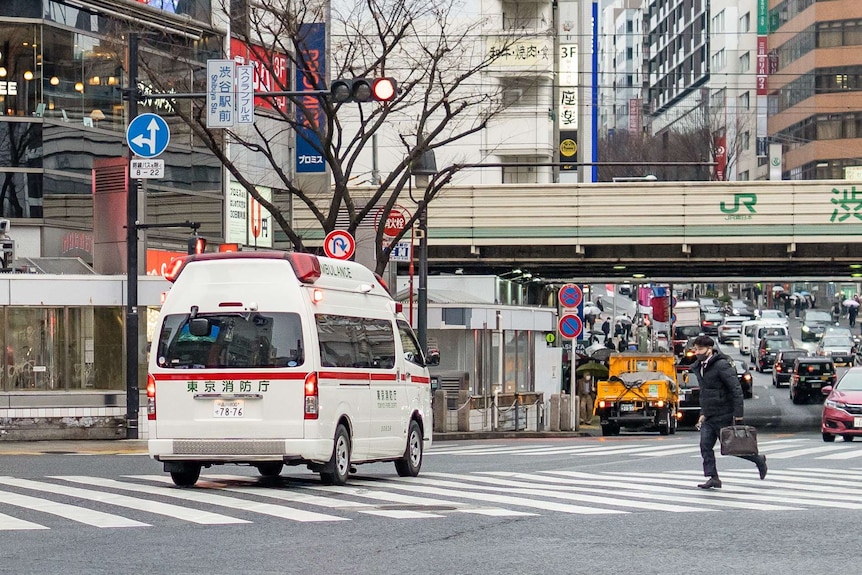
(363, 90)
(197, 245)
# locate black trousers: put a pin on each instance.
(709, 433)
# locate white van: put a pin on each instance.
(271, 358)
(751, 332)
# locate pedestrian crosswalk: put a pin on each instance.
(138, 501)
(784, 448)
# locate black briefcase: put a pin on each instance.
(738, 440)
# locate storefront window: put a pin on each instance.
(63, 349)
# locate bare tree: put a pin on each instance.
(438, 58)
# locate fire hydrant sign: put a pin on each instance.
(394, 222)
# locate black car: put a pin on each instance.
(709, 323)
(745, 379)
(810, 374)
(768, 349)
(783, 367)
(814, 323)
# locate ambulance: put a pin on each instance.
(270, 359)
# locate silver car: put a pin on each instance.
(729, 328)
(841, 348)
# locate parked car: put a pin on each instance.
(842, 409)
(768, 348)
(814, 323)
(783, 366)
(744, 375)
(840, 347)
(810, 374)
(729, 328)
(709, 323)
(709, 305)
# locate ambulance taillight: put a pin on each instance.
(311, 396)
(151, 397)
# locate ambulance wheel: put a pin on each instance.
(188, 476)
(335, 472)
(270, 468)
(411, 462)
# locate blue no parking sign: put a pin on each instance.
(570, 326)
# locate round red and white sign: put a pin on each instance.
(339, 245)
(394, 222)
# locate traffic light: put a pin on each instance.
(363, 90)
(197, 245)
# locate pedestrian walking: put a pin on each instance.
(720, 405)
(853, 312)
(606, 327)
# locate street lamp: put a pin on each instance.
(424, 167)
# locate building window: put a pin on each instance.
(744, 101)
(745, 62)
(745, 22)
(744, 176)
(745, 141)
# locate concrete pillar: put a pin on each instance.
(554, 413)
(463, 410)
(439, 409)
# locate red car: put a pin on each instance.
(842, 410)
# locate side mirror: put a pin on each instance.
(826, 389)
(432, 357)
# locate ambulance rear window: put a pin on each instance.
(241, 340)
(361, 342)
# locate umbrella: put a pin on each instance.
(623, 319)
(777, 288)
(850, 302)
(591, 309)
(594, 368)
(602, 354)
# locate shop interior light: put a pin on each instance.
(79, 86)
(54, 80)
(28, 75)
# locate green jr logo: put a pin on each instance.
(747, 199)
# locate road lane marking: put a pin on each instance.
(8, 523)
(73, 512)
(175, 511)
(201, 496)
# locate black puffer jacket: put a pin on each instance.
(720, 392)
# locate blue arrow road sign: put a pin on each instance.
(148, 135)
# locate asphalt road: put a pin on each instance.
(626, 504)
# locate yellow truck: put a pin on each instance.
(641, 393)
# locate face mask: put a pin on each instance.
(700, 356)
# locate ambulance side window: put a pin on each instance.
(355, 342)
(410, 344)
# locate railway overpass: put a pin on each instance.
(721, 231)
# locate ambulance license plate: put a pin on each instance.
(228, 408)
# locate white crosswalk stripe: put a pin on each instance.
(788, 448)
(431, 496)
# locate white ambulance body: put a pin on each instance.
(270, 358)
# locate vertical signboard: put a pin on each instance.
(245, 94)
(260, 220)
(309, 114)
(776, 165)
(567, 104)
(248, 222)
(762, 87)
(220, 96)
(270, 72)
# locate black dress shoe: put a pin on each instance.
(761, 467)
(710, 483)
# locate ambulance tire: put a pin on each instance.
(411, 462)
(336, 471)
(188, 476)
(270, 468)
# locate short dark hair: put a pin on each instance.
(704, 341)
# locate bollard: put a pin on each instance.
(439, 409)
(576, 412)
(565, 412)
(463, 410)
(554, 417)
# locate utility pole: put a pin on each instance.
(132, 323)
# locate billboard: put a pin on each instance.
(309, 115)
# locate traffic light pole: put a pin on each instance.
(132, 323)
